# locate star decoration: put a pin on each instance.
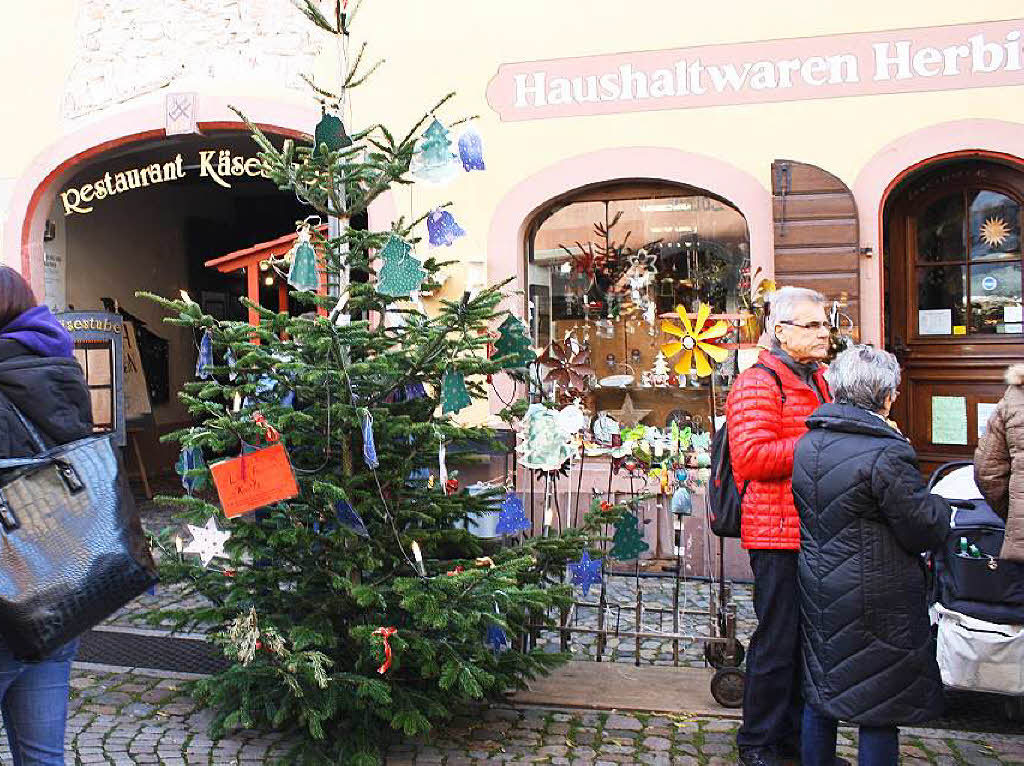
(693, 341)
(994, 231)
(568, 369)
(208, 542)
(586, 572)
(629, 415)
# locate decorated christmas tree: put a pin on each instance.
(348, 596)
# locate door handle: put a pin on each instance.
(900, 349)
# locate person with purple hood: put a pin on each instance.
(39, 376)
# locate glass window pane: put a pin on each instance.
(940, 231)
(940, 300)
(995, 226)
(996, 298)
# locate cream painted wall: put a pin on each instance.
(432, 48)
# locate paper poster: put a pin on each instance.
(985, 410)
(959, 329)
(254, 480)
(935, 322)
(949, 420)
(1013, 314)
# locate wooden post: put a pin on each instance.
(252, 283)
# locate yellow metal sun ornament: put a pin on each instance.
(994, 232)
(694, 342)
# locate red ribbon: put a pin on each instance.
(269, 432)
(458, 570)
(385, 633)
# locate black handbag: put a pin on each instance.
(73, 549)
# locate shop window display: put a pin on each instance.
(610, 273)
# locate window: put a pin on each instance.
(606, 264)
(968, 265)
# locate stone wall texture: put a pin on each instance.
(128, 48)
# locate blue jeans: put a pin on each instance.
(878, 745)
(34, 702)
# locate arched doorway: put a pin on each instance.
(953, 298)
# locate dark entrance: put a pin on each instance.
(953, 299)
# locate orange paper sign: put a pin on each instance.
(254, 480)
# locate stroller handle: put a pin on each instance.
(945, 468)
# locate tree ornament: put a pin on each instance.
(369, 445)
(628, 542)
(204, 363)
(189, 460)
(401, 273)
(585, 572)
(434, 160)
(694, 342)
(349, 519)
(471, 150)
(230, 362)
(512, 348)
(454, 395)
(302, 274)
(682, 502)
(629, 415)
(543, 445)
(442, 465)
(385, 634)
(207, 541)
(512, 518)
(442, 229)
(330, 134)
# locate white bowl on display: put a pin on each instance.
(616, 381)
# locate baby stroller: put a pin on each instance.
(977, 599)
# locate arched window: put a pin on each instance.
(602, 255)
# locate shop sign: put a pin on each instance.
(921, 59)
(218, 165)
(99, 349)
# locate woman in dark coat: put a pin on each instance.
(865, 518)
(39, 375)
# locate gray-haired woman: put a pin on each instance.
(865, 518)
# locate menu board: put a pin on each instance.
(949, 420)
(99, 349)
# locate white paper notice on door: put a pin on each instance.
(985, 410)
(949, 420)
(935, 322)
(1013, 314)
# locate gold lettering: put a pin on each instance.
(101, 190)
(155, 176)
(86, 192)
(120, 183)
(237, 166)
(72, 207)
(134, 182)
(170, 171)
(253, 167)
(206, 167)
(178, 167)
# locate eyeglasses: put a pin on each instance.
(812, 326)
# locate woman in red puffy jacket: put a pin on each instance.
(766, 410)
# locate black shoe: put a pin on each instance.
(789, 754)
(759, 756)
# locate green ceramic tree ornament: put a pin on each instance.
(454, 394)
(401, 273)
(628, 542)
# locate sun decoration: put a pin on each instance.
(994, 232)
(569, 369)
(693, 341)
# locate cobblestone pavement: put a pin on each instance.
(127, 718)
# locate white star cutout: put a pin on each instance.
(208, 542)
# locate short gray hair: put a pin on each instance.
(784, 302)
(864, 376)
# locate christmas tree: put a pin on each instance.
(660, 372)
(335, 606)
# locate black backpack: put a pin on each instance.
(725, 500)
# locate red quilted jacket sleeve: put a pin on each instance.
(757, 444)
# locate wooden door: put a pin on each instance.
(816, 235)
(953, 297)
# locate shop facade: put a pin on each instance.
(873, 153)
